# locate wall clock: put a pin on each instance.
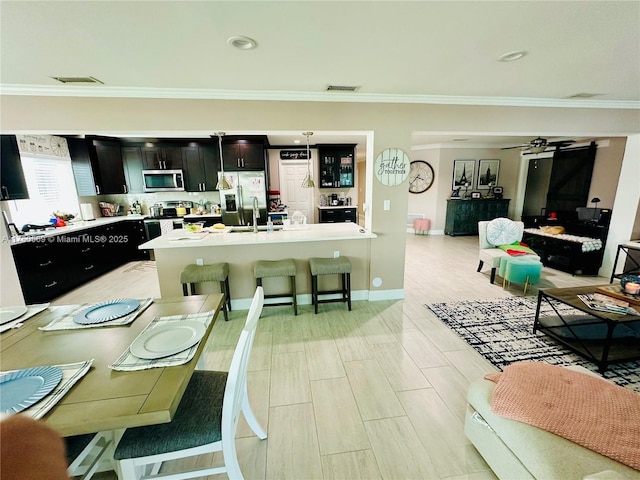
(392, 167)
(421, 176)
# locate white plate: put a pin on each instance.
(11, 313)
(105, 311)
(167, 339)
(22, 388)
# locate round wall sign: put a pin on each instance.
(392, 167)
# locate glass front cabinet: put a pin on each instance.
(336, 165)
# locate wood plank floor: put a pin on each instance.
(378, 392)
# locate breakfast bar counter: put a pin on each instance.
(241, 249)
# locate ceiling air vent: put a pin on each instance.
(341, 88)
(78, 80)
(585, 95)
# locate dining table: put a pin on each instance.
(104, 398)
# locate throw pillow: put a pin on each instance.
(502, 231)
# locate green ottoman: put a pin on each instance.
(524, 269)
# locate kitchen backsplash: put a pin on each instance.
(148, 199)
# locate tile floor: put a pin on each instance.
(378, 392)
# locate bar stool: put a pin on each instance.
(330, 266)
(277, 268)
(216, 272)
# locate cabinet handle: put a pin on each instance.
(46, 264)
(52, 284)
(90, 267)
(85, 250)
(125, 189)
(98, 189)
(5, 192)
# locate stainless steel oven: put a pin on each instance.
(163, 180)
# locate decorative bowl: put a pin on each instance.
(194, 227)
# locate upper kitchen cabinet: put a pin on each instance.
(132, 164)
(12, 179)
(244, 153)
(81, 165)
(336, 165)
(108, 169)
(201, 164)
(162, 157)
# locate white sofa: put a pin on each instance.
(515, 450)
(489, 253)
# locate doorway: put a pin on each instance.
(292, 194)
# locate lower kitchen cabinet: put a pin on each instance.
(338, 215)
(50, 266)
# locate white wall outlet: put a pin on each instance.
(387, 205)
(199, 261)
(336, 254)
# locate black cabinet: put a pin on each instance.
(108, 169)
(201, 166)
(132, 164)
(50, 266)
(336, 165)
(162, 157)
(42, 269)
(81, 166)
(338, 215)
(565, 255)
(13, 185)
(463, 215)
(246, 153)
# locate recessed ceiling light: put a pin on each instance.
(512, 56)
(242, 43)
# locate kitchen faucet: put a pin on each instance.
(256, 214)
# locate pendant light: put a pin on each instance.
(223, 183)
(308, 181)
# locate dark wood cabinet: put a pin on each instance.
(338, 215)
(132, 164)
(81, 166)
(565, 255)
(13, 185)
(463, 215)
(108, 169)
(53, 265)
(336, 166)
(162, 157)
(201, 166)
(244, 153)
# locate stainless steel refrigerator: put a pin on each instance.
(237, 203)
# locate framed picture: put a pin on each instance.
(488, 174)
(463, 173)
(476, 195)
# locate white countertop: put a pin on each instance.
(73, 227)
(318, 232)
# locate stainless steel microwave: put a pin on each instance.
(163, 180)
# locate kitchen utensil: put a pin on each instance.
(155, 210)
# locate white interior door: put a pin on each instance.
(292, 194)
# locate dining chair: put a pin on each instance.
(86, 452)
(205, 421)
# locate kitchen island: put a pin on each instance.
(241, 249)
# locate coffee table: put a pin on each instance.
(601, 351)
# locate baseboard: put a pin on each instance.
(379, 295)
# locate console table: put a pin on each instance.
(563, 328)
(567, 255)
(632, 262)
(463, 215)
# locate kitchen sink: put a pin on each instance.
(261, 228)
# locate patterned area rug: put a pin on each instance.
(501, 331)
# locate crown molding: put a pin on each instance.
(341, 97)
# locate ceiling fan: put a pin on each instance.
(539, 145)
